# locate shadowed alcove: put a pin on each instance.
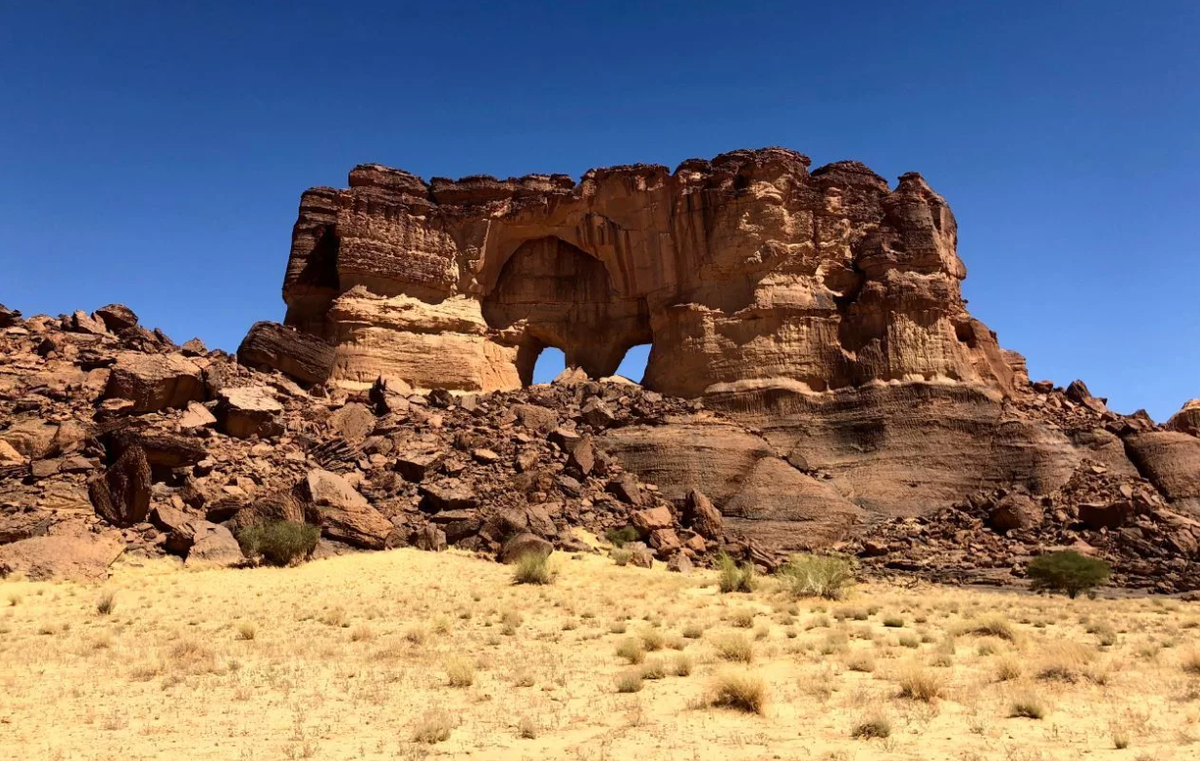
(555, 295)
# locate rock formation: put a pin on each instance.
(814, 381)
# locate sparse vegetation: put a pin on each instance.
(619, 537)
(106, 603)
(621, 556)
(630, 680)
(734, 647)
(872, 728)
(918, 684)
(1026, 707)
(460, 672)
(631, 650)
(279, 543)
(826, 576)
(741, 690)
(533, 568)
(1067, 571)
(733, 577)
(434, 726)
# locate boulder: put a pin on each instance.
(448, 495)
(121, 495)
(213, 546)
(1016, 511)
(597, 414)
(536, 418)
(640, 555)
(196, 416)
(342, 513)
(520, 545)
(10, 456)
(1111, 515)
(700, 515)
(9, 317)
(271, 346)
(154, 382)
(82, 322)
(247, 411)
(117, 317)
(353, 422)
(652, 519)
(1187, 420)
(1171, 461)
(417, 463)
(430, 539)
(82, 557)
(679, 563)
(193, 347)
(625, 488)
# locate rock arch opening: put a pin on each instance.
(551, 294)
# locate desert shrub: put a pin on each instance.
(247, 630)
(693, 631)
(1026, 707)
(681, 664)
(893, 622)
(872, 727)
(654, 668)
(629, 680)
(826, 576)
(631, 650)
(743, 691)
(920, 685)
(990, 627)
(1190, 662)
(863, 662)
(434, 726)
(278, 542)
(734, 647)
(732, 577)
(621, 556)
(653, 640)
(107, 603)
(527, 728)
(1008, 669)
(619, 537)
(460, 672)
(742, 619)
(1067, 571)
(533, 568)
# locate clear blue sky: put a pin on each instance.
(154, 153)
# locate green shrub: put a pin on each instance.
(1067, 571)
(735, 578)
(827, 576)
(619, 537)
(533, 568)
(278, 542)
(621, 556)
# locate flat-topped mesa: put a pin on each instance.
(745, 269)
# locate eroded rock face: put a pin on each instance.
(745, 268)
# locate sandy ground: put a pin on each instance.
(358, 657)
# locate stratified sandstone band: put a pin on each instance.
(740, 271)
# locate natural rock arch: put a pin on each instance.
(551, 293)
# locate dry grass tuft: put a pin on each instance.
(918, 684)
(874, 727)
(106, 603)
(740, 690)
(734, 647)
(460, 672)
(434, 727)
(630, 680)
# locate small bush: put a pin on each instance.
(991, 627)
(693, 631)
(629, 681)
(681, 664)
(1008, 670)
(654, 668)
(1190, 663)
(527, 728)
(631, 650)
(826, 576)
(734, 578)
(1026, 707)
(743, 691)
(920, 685)
(893, 622)
(1068, 572)
(533, 568)
(107, 603)
(619, 537)
(434, 727)
(734, 647)
(278, 542)
(246, 630)
(872, 728)
(742, 619)
(621, 556)
(460, 672)
(863, 662)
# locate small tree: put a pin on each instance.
(1067, 571)
(278, 542)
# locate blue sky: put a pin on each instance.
(154, 153)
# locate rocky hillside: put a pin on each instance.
(113, 437)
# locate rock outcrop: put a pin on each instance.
(814, 381)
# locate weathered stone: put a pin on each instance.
(448, 495)
(1112, 515)
(702, 517)
(271, 346)
(117, 317)
(196, 416)
(247, 411)
(679, 563)
(521, 545)
(193, 347)
(640, 555)
(82, 322)
(1187, 420)
(341, 512)
(353, 422)
(122, 495)
(626, 489)
(1016, 511)
(84, 557)
(652, 519)
(430, 539)
(154, 382)
(213, 546)
(536, 418)
(597, 414)
(416, 464)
